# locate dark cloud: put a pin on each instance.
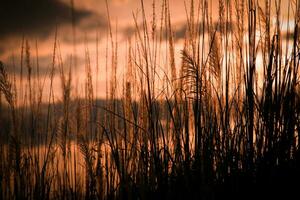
(2, 50)
(87, 29)
(290, 36)
(12, 65)
(35, 17)
(179, 30)
(128, 31)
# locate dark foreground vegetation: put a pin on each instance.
(219, 124)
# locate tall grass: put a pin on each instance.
(214, 123)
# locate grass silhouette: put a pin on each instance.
(207, 128)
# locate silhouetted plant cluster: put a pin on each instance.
(213, 124)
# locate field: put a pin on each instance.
(218, 119)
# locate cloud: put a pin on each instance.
(128, 31)
(2, 50)
(36, 17)
(179, 30)
(12, 65)
(289, 36)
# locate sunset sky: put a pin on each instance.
(37, 20)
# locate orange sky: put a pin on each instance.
(92, 18)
